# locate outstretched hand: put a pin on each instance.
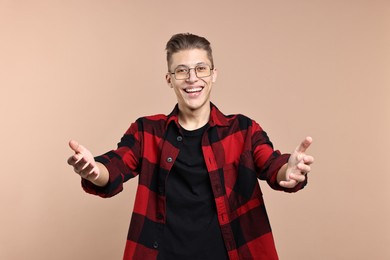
(83, 162)
(298, 165)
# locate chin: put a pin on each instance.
(197, 105)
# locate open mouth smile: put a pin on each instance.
(193, 90)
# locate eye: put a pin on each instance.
(181, 70)
(201, 68)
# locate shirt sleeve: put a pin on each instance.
(122, 164)
(268, 161)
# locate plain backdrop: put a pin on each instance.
(86, 69)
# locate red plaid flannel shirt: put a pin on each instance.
(237, 153)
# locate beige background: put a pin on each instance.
(85, 69)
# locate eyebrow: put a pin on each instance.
(199, 63)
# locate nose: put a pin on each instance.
(192, 75)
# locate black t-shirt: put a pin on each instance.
(192, 230)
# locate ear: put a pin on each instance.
(214, 75)
(168, 78)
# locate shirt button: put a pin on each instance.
(161, 190)
(169, 159)
(155, 244)
(179, 138)
(159, 216)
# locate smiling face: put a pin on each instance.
(193, 93)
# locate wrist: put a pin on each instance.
(282, 174)
(102, 176)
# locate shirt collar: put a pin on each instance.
(217, 118)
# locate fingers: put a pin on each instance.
(289, 184)
(304, 145)
(83, 167)
(298, 173)
(298, 165)
(308, 159)
(80, 159)
(303, 168)
(294, 180)
(87, 171)
(81, 164)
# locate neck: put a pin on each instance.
(194, 119)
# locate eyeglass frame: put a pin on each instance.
(189, 71)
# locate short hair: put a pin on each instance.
(187, 41)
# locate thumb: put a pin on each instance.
(75, 146)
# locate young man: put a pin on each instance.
(198, 195)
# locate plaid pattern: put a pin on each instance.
(237, 153)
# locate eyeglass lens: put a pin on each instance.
(201, 71)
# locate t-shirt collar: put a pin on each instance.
(217, 118)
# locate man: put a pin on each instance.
(198, 195)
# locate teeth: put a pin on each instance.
(191, 90)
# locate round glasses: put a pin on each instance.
(183, 72)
